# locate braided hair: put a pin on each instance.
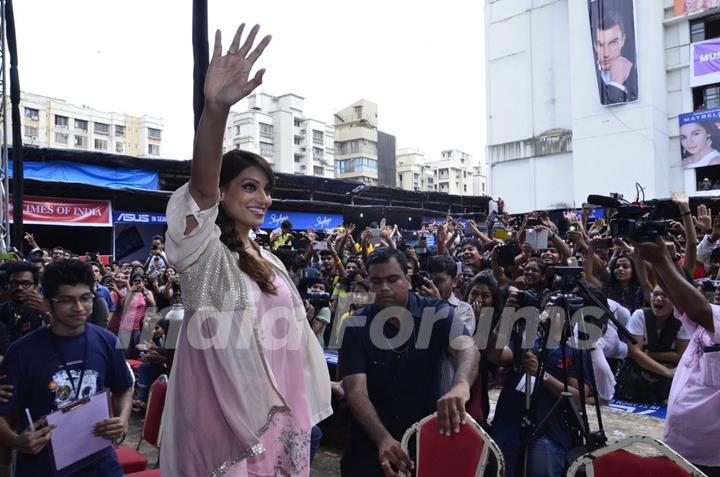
(233, 163)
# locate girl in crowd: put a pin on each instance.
(244, 406)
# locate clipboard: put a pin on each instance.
(72, 444)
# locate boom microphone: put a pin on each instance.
(604, 201)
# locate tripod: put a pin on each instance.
(574, 413)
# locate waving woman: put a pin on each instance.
(249, 379)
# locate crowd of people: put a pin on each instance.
(422, 320)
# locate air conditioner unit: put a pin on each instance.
(303, 149)
(302, 131)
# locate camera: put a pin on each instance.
(417, 280)
(636, 222)
(318, 300)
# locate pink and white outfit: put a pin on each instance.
(690, 427)
(249, 379)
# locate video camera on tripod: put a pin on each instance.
(637, 222)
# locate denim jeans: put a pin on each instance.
(315, 436)
(545, 457)
(147, 374)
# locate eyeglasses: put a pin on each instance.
(23, 283)
(84, 300)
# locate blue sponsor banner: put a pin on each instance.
(125, 217)
(302, 220)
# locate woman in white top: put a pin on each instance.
(249, 379)
(696, 142)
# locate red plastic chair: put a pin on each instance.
(131, 460)
(614, 460)
(134, 365)
(461, 455)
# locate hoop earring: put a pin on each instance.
(709, 142)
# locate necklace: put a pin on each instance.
(406, 347)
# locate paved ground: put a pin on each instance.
(327, 463)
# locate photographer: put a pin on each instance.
(690, 427)
(157, 259)
(317, 307)
(547, 453)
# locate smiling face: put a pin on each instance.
(246, 198)
(660, 302)
(532, 274)
(471, 256)
(693, 137)
(550, 256)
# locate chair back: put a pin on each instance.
(152, 427)
(464, 454)
(614, 460)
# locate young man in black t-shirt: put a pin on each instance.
(54, 366)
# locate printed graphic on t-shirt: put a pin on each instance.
(63, 388)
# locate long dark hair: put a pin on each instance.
(233, 163)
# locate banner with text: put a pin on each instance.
(57, 211)
(302, 220)
(688, 7)
(705, 61)
(125, 217)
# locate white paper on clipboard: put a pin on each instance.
(72, 440)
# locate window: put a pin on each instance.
(317, 153)
(354, 146)
(81, 141)
(61, 138)
(358, 112)
(340, 167)
(153, 149)
(266, 149)
(154, 134)
(32, 113)
(318, 171)
(483, 187)
(296, 122)
(120, 147)
(317, 137)
(31, 132)
(697, 31)
(297, 141)
(266, 130)
(81, 125)
(119, 130)
(465, 187)
(61, 122)
(101, 128)
(101, 144)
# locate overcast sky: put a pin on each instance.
(422, 62)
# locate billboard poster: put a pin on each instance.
(705, 61)
(612, 27)
(687, 7)
(700, 138)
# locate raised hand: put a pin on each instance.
(703, 219)
(227, 80)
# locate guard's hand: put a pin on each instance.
(393, 461)
(111, 429)
(451, 409)
(30, 442)
(6, 390)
